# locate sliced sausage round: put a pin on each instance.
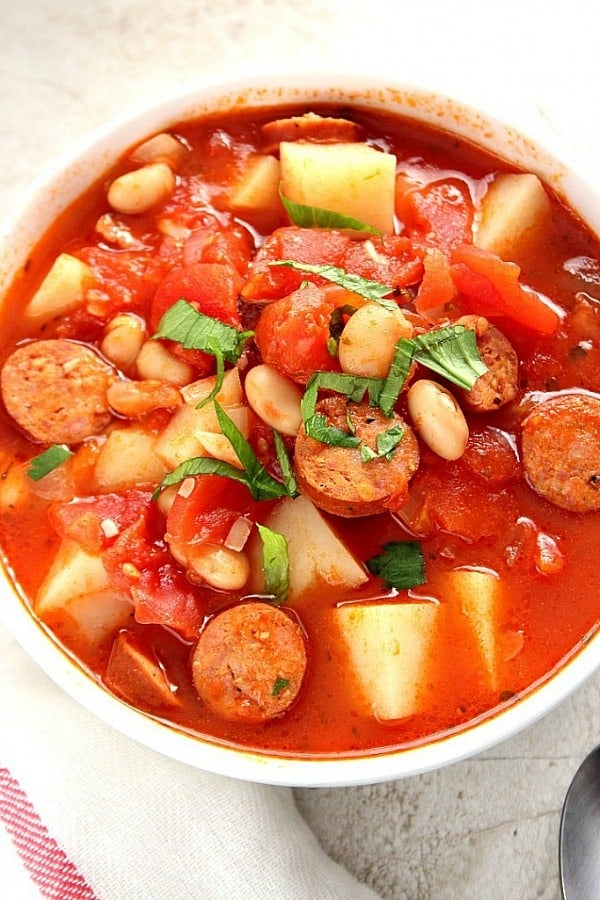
(249, 662)
(561, 451)
(338, 479)
(500, 384)
(55, 390)
(309, 127)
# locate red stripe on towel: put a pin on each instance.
(48, 865)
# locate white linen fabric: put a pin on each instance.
(94, 815)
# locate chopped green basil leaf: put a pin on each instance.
(385, 444)
(315, 424)
(279, 685)
(316, 427)
(47, 461)
(451, 352)
(195, 331)
(218, 355)
(261, 485)
(364, 287)
(275, 564)
(287, 472)
(396, 376)
(400, 565)
(315, 217)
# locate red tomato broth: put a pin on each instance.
(549, 614)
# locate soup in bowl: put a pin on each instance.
(300, 430)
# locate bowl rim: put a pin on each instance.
(68, 176)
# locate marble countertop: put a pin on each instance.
(486, 827)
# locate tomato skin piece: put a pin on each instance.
(292, 333)
(491, 286)
(439, 214)
(308, 245)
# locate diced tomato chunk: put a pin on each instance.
(212, 288)
(439, 214)
(292, 333)
(491, 287)
(307, 245)
(128, 278)
(437, 287)
(164, 596)
(393, 260)
(230, 245)
(96, 522)
(207, 512)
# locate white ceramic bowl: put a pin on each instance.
(70, 178)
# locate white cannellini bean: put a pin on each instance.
(274, 398)
(368, 340)
(123, 340)
(162, 147)
(154, 361)
(137, 398)
(141, 189)
(438, 419)
(220, 567)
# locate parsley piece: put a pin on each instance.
(279, 685)
(306, 216)
(195, 331)
(451, 352)
(364, 287)
(401, 564)
(47, 461)
(275, 563)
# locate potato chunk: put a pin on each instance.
(258, 188)
(316, 554)
(77, 601)
(513, 209)
(389, 646)
(353, 179)
(476, 596)
(72, 573)
(128, 459)
(63, 289)
(194, 431)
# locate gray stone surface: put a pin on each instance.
(487, 827)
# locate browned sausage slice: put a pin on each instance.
(338, 481)
(309, 127)
(500, 384)
(55, 390)
(249, 662)
(561, 451)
